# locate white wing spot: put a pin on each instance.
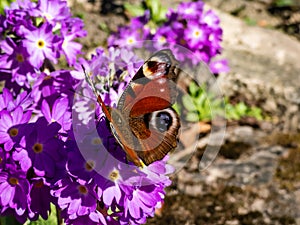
(162, 80)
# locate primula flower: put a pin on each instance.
(77, 198)
(21, 156)
(196, 36)
(93, 218)
(219, 66)
(16, 60)
(52, 10)
(40, 45)
(23, 99)
(14, 190)
(190, 10)
(211, 19)
(190, 26)
(70, 48)
(9, 129)
(58, 112)
(84, 163)
(40, 199)
(44, 147)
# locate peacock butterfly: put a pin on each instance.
(144, 123)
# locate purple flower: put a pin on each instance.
(211, 20)
(142, 202)
(52, 10)
(40, 45)
(40, 199)
(190, 10)
(86, 159)
(8, 126)
(51, 86)
(126, 37)
(58, 112)
(220, 66)
(93, 218)
(70, 48)
(44, 147)
(3, 156)
(21, 156)
(164, 35)
(76, 198)
(8, 102)
(15, 60)
(195, 35)
(14, 190)
(17, 20)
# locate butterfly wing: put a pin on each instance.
(146, 104)
(153, 86)
(156, 133)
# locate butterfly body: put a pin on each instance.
(144, 123)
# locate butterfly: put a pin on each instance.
(144, 122)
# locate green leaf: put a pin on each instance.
(158, 12)
(188, 103)
(282, 3)
(256, 113)
(192, 117)
(4, 3)
(177, 108)
(241, 108)
(193, 89)
(134, 10)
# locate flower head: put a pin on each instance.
(10, 123)
(40, 45)
(14, 190)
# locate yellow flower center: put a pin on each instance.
(37, 148)
(197, 33)
(13, 132)
(96, 141)
(162, 39)
(130, 41)
(13, 181)
(41, 43)
(82, 189)
(90, 165)
(39, 184)
(19, 58)
(114, 175)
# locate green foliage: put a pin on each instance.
(203, 106)
(4, 3)
(9, 220)
(236, 112)
(157, 11)
(250, 21)
(281, 3)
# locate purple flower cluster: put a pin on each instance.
(33, 33)
(190, 26)
(52, 148)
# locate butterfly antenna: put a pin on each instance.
(99, 99)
